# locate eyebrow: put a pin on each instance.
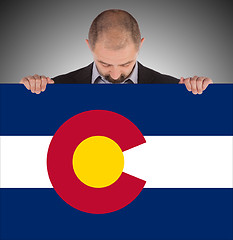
(111, 64)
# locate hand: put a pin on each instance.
(196, 84)
(36, 83)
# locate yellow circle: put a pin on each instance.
(98, 161)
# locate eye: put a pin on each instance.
(105, 65)
(125, 65)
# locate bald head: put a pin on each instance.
(115, 29)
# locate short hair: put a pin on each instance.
(114, 19)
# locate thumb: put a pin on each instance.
(50, 81)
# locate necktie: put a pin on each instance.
(128, 82)
(98, 80)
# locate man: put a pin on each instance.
(115, 40)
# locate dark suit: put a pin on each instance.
(145, 76)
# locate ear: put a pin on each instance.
(142, 40)
(87, 42)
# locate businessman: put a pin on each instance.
(114, 39)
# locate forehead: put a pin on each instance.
(115, 56)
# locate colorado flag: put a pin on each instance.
(180, 169)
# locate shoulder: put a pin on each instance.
(150, 76)
(82, 75)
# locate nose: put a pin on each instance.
(115, 73)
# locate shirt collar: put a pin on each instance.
(133, 76)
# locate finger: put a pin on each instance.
(188, 84)
(193, 82)
(199, 85)
(181, 80)
(38, 83)
(32, 82)
(26, 83)
(50, 81)
(206, 83)
(43, 83)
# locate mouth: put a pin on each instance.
(115, 81)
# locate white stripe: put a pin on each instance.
(23, 162)
(163, 161)
(182, 161)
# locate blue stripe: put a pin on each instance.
(155, 109)
(184, 214)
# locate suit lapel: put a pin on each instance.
(143, 76)
(86, 75)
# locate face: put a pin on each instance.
(115, 65)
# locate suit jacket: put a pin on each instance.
(145, 76)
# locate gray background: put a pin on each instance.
(182, 38)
